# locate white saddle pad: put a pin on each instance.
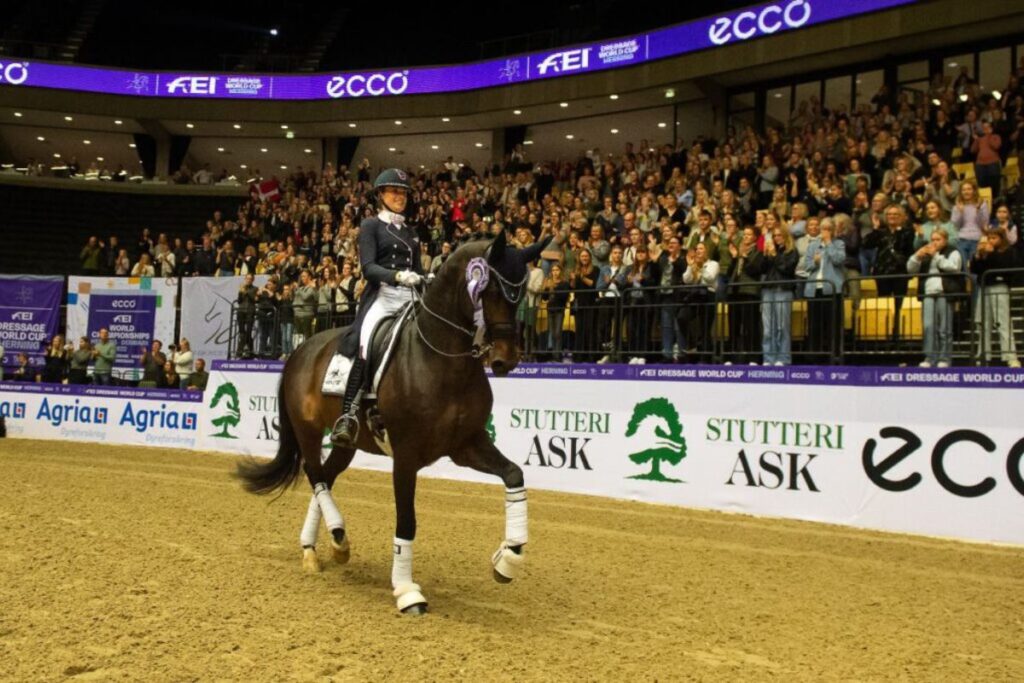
(336, 376)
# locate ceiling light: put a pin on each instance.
(953, 65)
(563, 105)
(517, 112)
(308, 150)
(662, 124)
(398, 123)
(290, 134)
(613, 96)
(777, 95)
(391, 149)
(963, 97)
(422, 166)
(242, 166)
(118, 122)
(284, 126)
(433, 147)
(41, 138)
(998, 95)
(445, 119)
(220, 149)
(263, 149)
(86, 142)
(99, 158)
(132, 145)
(568, 136)
(936, 102)
(237, 126)
(615, 131)
(56, 155)
(68, 118)
(670, 93)
(283, 167)
(351, 125)
(273, 32)
(479, 144)
(17, 114)
(190, 125)
(527, 142)
(858, 81)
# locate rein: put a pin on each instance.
(478, 273)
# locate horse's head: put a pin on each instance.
(505, 289)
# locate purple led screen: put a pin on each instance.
(702, 34)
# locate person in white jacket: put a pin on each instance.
(941, 268)
(181, 356)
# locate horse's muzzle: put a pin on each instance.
(500, 368)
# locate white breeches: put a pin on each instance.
(389, 300)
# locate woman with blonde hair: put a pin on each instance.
(970, 218)
(778, 269)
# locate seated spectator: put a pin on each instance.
(24, 372)
(936, 221)
(169, 377)
(940, 262)
(199, 378)
(144, 268)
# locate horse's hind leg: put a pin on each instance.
(321, 505)
(482, 455)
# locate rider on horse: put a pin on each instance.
(389, 254)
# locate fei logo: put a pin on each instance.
(231, 413)
(25, 316)
(672, 449)
(770, 19)
(193, 85)
(569, 60)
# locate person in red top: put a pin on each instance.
(987, 166)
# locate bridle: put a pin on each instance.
(511, 291)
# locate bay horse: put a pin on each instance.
(434, 399)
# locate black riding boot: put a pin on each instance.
(346, 429)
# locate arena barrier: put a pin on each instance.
(935, 452)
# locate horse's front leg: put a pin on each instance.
(407, 593)
(482, 455)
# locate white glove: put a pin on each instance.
(408, 278)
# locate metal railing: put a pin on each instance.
(271, 333)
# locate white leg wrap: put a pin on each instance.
(515, 516)
(308, 536)
(408, 595)
(401, 569)
(508, 563)
(330, 511)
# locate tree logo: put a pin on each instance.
(672, 447)
(490, 428)
(231, 413)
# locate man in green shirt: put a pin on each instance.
(199, 377)
(104, 354)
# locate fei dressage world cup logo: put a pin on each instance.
(670, 449)
(231, 414)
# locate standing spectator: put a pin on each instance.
(936, 221)
(266, 320)
(152, 361)
(638, 285)
(78, 372)
(744, 275)
(165, 261)
(671, 265)
(697, 315)
(182, 359)
(583, 283)
(286, 319)
(23, 373)
(970, 218)
(987, 166)
(895, 244)
(767, 180)
(823, 263)
(995, 254)
(555, 292)
(55, 361)
(199, 378)
(608, 292)
(1004, 221)
(225, 260)
(938, 260)
(778, 266)
(110, 254)
(246, 312)
(144, 268)
(123, 264)
(90, 257)
(104, 353)
(304, 302)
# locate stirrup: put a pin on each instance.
(346, 430)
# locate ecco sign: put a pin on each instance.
(569, 60)
(373, 85)
(768, 20)
(14, 73)
(193, 85)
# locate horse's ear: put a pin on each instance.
(497, 249)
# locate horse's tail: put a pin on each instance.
(281, 472)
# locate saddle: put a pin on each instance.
(382, 345)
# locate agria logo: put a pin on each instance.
(230, 412)
(57, 413)
(14, 409)
(670, 448)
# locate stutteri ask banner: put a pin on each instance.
(134, 310)
(944, 462)
(29, 316)
(206, 313)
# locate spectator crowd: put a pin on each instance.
(648, 242)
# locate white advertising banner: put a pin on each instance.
(206, 313)
(135, 310)
(116, 415)
(930, 455)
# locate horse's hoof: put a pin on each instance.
(417, 610)
(341, 553)
(501, 579)
(310, 562)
